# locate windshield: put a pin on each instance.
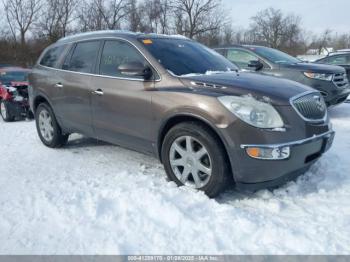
(275, 56)
(183, 57)
(14, 76)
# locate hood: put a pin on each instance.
(278, 90)
(315, 68)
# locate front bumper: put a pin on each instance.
(338, 97)
(258, 174)
(333, 95)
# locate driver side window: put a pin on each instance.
(241, 58)
(337, 60)
(116, 53)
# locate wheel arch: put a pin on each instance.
(187, 117)
(40, 98)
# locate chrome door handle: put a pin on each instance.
(98, 92)
(59, 85)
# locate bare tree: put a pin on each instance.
(341, 41)
(323, 40)
(20, 15)
(89, 17)
(103, 14)
(165, 12)
(196, 17)
(113, 12)
(134, 17)
(270, 26)
(67, 14)
(155, 16)
(55, 18)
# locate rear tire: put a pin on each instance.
(5, 111)
(194, 156)
(49, 131)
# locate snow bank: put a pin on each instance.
(94, 198)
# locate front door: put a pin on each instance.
(121, 105)
(242, 58)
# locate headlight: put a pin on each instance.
(252, 111)
(324, 77)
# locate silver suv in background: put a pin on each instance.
(331, 81)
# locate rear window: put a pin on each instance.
(51, 57)
(14, 76)
(83, 57)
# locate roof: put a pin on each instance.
(115, 33)
(14, 68)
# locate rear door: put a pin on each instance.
(43, 77)
(74, 83)
(122, 105)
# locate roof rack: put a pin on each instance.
(96, 32)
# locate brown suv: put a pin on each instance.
(209, 124)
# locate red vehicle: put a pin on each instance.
(14, 102)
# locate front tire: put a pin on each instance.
(48, 129)
(5, 111)
(194, 156)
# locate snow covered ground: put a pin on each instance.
(94, 198)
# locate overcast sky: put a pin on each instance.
(317, 15)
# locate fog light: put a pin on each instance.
(277, 153)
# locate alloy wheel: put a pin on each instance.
(46, 126)
(190, 162)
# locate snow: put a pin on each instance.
(95, 198)
(310, 58)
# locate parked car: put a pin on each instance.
(339, 58)
(330, 80)
(209, 124)
(14, 102)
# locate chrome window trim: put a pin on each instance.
(291, 100)
(293, 143)
(105, 76)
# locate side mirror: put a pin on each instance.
(135, 69)
(256, 64)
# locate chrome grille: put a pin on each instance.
(311, 107)
(340, 80)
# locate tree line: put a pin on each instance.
(28, 26)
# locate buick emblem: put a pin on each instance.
(319, 103)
